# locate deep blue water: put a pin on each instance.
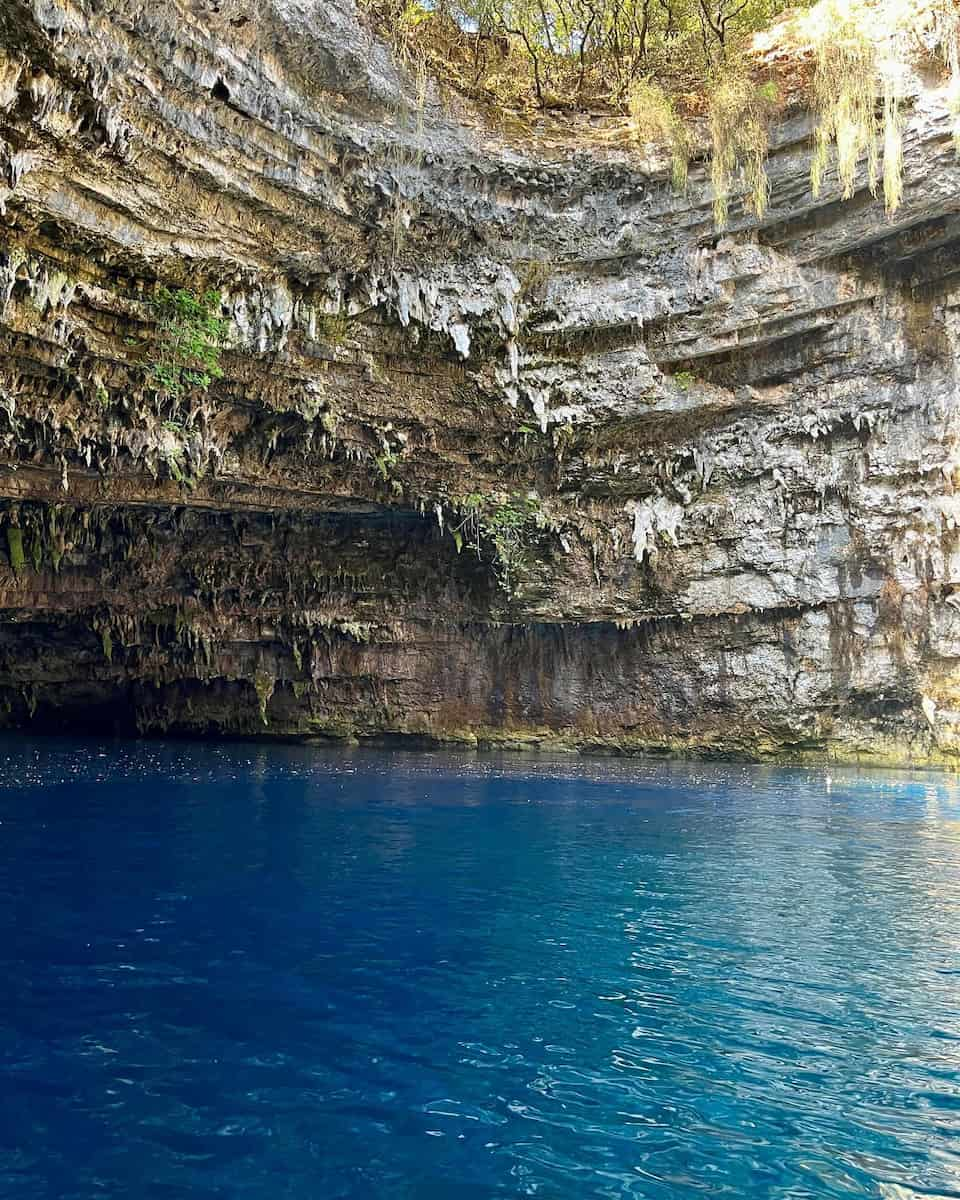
(239, 971)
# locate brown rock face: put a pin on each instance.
(505, 448)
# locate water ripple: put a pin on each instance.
(260, 972)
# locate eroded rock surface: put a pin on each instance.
(725, 465)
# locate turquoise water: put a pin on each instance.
(238, 971)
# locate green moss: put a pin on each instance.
(175, 467)
(36, 550)
(263, 685)
(384, 462)
(331, 727)
(332, 328)
(15, 549)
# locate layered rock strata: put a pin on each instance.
(510, 445)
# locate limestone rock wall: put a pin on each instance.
(725, 465)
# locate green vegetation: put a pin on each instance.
(15, 549)
(191, 336)
(332, 328)
(508, 524)
(172, 455)
(38, 532)
(264, 685)
(385, 461)
(683, 380)
(570, 53)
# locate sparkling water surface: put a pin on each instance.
(248, 971)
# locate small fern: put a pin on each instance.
(191, 338)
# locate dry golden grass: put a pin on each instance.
(848, 61)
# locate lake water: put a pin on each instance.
(247, 971)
